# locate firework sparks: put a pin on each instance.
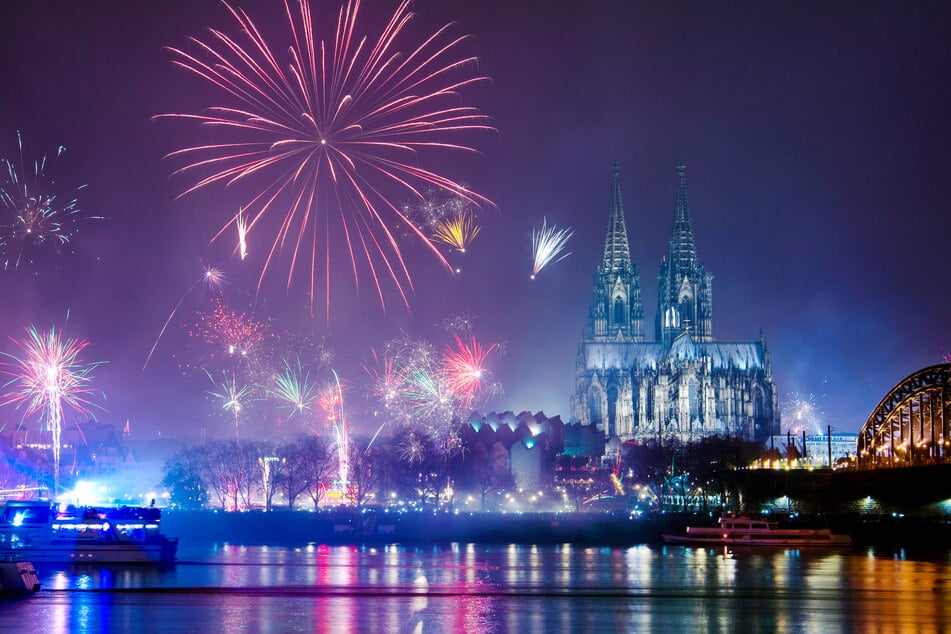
(242, 225)
(212, 278)
(231, 395)
(803, 412)
(50, 377)
(411, 448)
(459, 324)
(335, 131)
(232, 332)
(294, 388)
(418, 388)
(548, 246)
(33, 217)
(457, 232)
(464, 368)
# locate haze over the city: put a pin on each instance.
(814, 137)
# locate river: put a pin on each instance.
(497, 588)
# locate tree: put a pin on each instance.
(366, 471)
(294, 469)
(490, 468)
(183, 479)
(317, 464)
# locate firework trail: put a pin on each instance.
(241, 223)
(548, 245)
(334, 130)
(341, 434)
(33, 218)
(212, 277)
(48, 377)
(230, 394)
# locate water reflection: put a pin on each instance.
(476, 588)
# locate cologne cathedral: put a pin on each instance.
(684, 384)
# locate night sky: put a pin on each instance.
(815, 137)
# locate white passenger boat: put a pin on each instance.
(743, 530)
(42, 533)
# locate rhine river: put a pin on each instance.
(492, 588)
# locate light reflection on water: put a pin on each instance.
(480, 588)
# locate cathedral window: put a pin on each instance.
(618, 311)
(612, 410)
(594, 406)
(693, 398)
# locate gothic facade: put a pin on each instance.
(684, 383)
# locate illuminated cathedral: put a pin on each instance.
(684, 384)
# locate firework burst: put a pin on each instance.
(464, 368)
(803, 412)
(548, 246)
(49, 377)
(418, 388)
(457, 232)
(334, 129)
(231, 394)
(412, 449)
(294, 388)
(33, 218)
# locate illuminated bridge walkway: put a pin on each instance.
(911, 425)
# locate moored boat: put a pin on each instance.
(17, 577)
(43, 533)
(743, 530)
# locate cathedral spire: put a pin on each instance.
(683, 252)
(616, 312)
(684, 287)
(617, 253)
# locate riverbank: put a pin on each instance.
(283, 527)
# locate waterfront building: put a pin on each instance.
(683, 384)
(814, 450)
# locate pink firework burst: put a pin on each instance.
(328, 133)
(464, 368)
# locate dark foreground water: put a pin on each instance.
(473, 588)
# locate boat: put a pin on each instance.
(743, 530)
(44, 533)
(17, 577)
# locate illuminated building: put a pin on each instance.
(684, 384)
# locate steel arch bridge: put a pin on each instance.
(911, 424)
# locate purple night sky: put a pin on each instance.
(815, 136)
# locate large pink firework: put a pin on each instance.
(327, 134)
(464, 369)
(49, 377)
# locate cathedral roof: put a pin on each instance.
(739, 355)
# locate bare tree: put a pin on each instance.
(317, 464)
(366, 471)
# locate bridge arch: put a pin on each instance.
(912, 424)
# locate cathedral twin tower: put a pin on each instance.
(683, 384)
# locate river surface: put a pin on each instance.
(482, 588)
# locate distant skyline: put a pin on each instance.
(814, 136)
